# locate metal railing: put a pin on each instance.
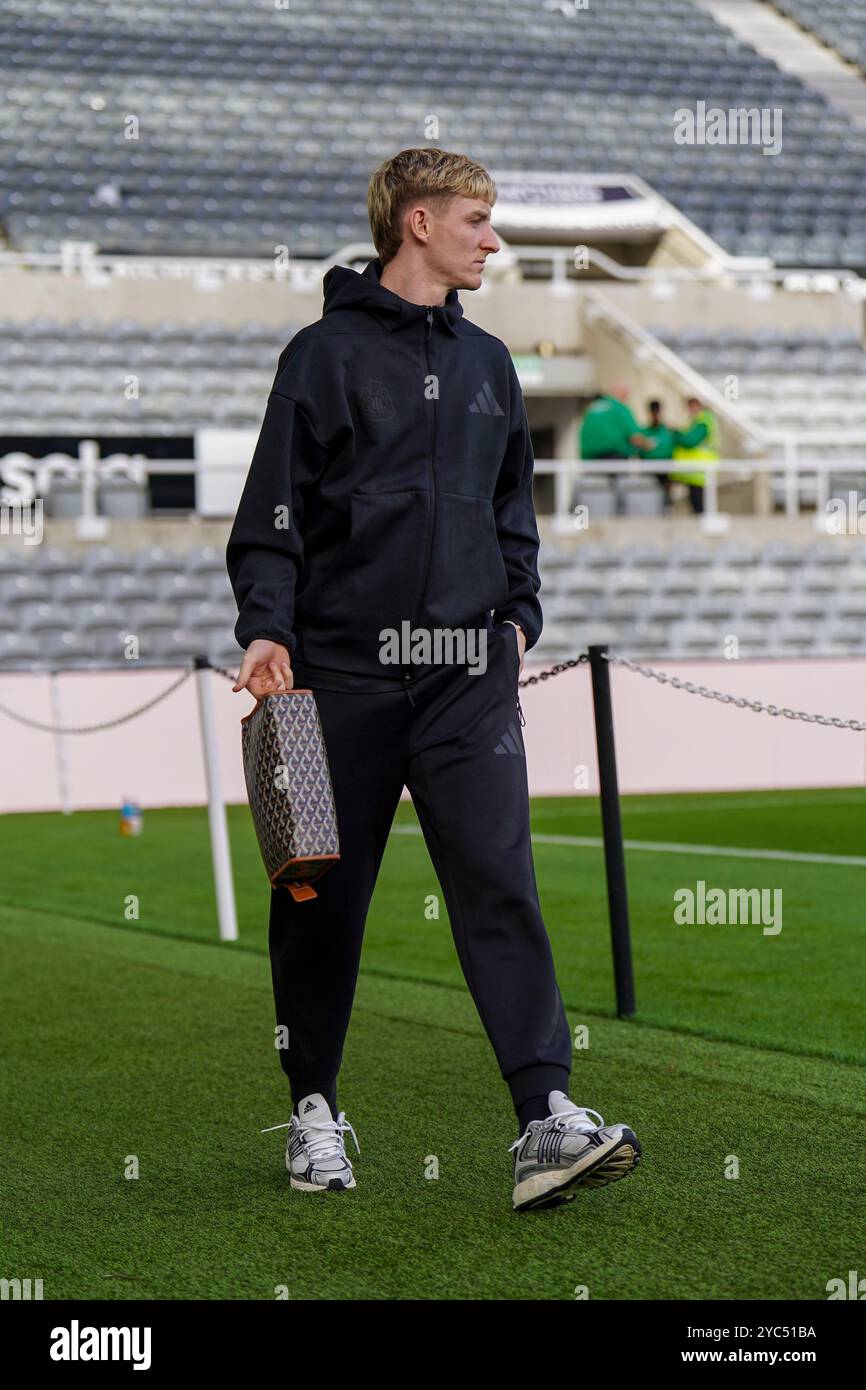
(793, 470)
(84, 258)
(798, 469)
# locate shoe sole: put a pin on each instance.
(611, 1161)
(335, 1185)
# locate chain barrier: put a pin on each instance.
(739, 700)
(530, 680)
(556, 670)
(94, 728)
(675, 682)
(221, 671)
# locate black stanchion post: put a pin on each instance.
(614, 853)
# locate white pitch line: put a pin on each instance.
(663, 847)
(729, 802)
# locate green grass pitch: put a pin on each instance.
(150, 1038)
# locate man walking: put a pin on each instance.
(395, 437)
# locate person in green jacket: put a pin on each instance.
(699, 441)
(609, 430)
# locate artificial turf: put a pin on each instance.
(150, 1038)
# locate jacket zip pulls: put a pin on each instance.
(429, 551)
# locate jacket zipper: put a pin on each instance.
(432, 473)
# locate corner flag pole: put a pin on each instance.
(614, 852)
(219, 834)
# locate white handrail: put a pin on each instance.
(568, 472)
(89, 469)
(84, 257)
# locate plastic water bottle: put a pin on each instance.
(131, 822)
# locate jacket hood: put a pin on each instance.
(347, 289)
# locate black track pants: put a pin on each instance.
(454, 741)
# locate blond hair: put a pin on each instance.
(419, 173)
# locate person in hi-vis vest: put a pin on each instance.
(698, 442)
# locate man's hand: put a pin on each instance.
(521, 642)
(265, 669)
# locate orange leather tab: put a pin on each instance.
(301, 891)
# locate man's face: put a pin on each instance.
(461, 238)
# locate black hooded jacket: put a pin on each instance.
(391, 482)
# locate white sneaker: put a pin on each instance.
(565, 1151)
(315, 1149)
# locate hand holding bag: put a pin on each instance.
(289, 789)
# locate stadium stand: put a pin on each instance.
(243, 140)
(65, 376)
(780, 598)
(80, 609)
(789, 379)
(246, 146)
(790, 383)
(837, 23)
